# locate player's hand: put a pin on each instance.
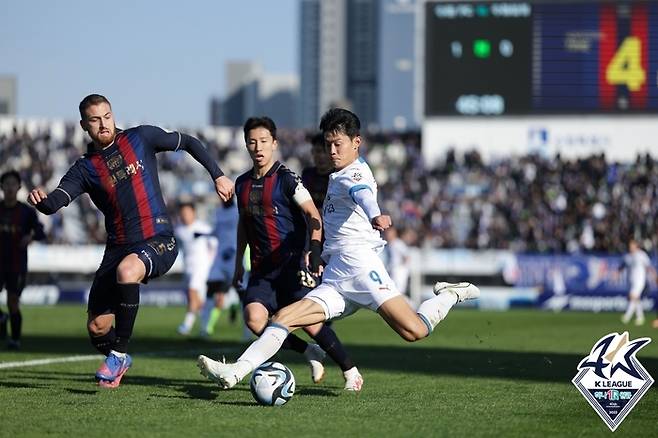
(224, 188)
(36, 195)
(381, 222)
(314, 259)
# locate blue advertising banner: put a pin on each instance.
(579, 282)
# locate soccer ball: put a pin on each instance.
(272, 384)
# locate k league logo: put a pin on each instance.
(612, 379)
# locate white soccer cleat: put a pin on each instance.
(353, 380)
(315, 355)
(463, 290)
(219, 372)
(183, 330)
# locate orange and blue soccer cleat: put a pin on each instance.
(112, 370)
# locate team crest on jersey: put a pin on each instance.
(612, 379)
(357, 176)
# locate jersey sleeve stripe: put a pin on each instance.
(356, 188)
(66, 193)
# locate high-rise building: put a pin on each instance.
(397, 65)
(309, 63)
(362, 58)
(279, 98)
(358, 53)
(251, 92)
(8, 95)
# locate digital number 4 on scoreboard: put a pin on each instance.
(625, 67)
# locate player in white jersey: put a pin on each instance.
(637, 263)
(199, 247)
(354, 276)
(221, 272)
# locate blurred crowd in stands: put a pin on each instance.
(528, 203)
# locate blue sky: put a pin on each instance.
(157, 61)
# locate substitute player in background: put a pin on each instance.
(18, 227)
(277, 218)
(199, 248)
(120, 174)
(354, 277)
(638, 264)
(225, 230)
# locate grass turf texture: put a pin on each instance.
(479, 374)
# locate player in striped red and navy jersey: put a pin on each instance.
(274, 209)
(18, 227)
(119, 172)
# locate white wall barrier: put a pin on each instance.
(555, 282)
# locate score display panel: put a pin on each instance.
(496, 58)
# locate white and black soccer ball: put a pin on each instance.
(272, 384)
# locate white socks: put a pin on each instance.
(188, 322)
(261, 349)
(629, 311)
(639, 312)
(435, 309)
(208, 305)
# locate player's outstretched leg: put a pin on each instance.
(434, 310)
(227, 375)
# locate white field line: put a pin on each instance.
(89, 357)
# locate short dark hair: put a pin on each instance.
(259, 122)
(10, 174)
(92, 99)
(184, 204)
(342, 121)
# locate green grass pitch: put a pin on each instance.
(504, 374)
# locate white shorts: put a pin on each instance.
(197, 281)
(341, 295)
(636, 289)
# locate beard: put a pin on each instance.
(105, 139)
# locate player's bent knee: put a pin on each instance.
(98, 328)
(256, 318)
(130, 270)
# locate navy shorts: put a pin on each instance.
(14, 282)
(217, 286)
(158, 255)
(276, 291)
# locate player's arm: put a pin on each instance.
(296, 190)
(314, 225)
(70, 187)
(238, 271)
(162, 140)
(364, 197)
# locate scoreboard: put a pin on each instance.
(541, 57)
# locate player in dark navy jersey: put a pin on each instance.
(316, 177)
(274, 209)
(18, 227)
(119, 172)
